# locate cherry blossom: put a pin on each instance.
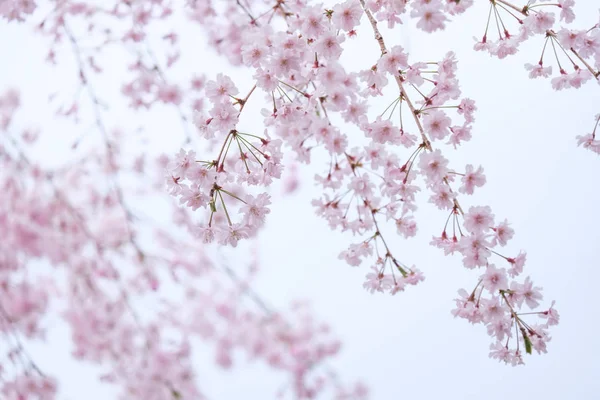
(375, 166)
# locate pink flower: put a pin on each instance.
(313, 22)
(27, 385)
(494, 279)
(502, 233)
(220, 89)
(436, 123)
(579, 77)
(383, 131)
(467, 108)
(539, 338)
(566, 12)
(466, 307)
(506, 47)
(377, 281)
(539, 22)
(224, 117)
(414, 276)
(493, 310)
(169, 94)
(283, 62)
(205, 233)
(479, 219)
(182, 163)
(563, 81)
(433, 165)
(591, 44)
(413, 73)
(475, 250)
(459, 134)
(517, 264)
(362, 185)
(499, 328)
(256, 208)
(589, 142)
(194, 198)
(254, 53)
(501, 352)
(198, 82)
(570, 38)
(233, 234)
(375, 80)
(328, 45)
(15, 9)
(538, 70)
(442, 196)
(447, 88)
(399, 286)
(347, 15)
(396, 59)
(353, 256)
(484, 45)
(458, 7)
(266, 80)
(431, 17)
(355, 112)
(336, 143)
(448, 245)
(527, 293)
(406, 226)
(551, 315)
(471, 179)
(9, 102)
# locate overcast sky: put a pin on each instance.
(409, 345)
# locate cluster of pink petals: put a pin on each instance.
(220, 185)
(17, 9)
(366, 186)
(83, 222)
(590, 141)
(80, 219)
(570, 57)
(9, 102)
(29, 387)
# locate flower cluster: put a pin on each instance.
(85, 219)
(84, 222)
(16, 9)
(515, 24)
(575, 53)
(316, 104)
(9, 102)
(589, 141)
(220, 185)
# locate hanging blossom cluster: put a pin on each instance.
(79, 245)
(85, 221)
(243, 160)
(589, 141)
(380, 161)
(569, 56)
(17, 9)
(107, 266)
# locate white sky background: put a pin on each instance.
(408, 345)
